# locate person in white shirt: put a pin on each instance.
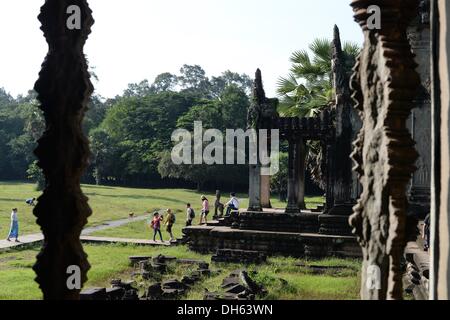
(233, 204)
(14, 230)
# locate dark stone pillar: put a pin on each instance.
(261, 114)
(420, 121)
(340, 164)
(385, 83)
(301, 169)
(63, 90)
(254, 188)
(292, 206)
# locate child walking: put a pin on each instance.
(14, 230)
(156, 225)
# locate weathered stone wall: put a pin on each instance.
(210, 239)
(419, 122)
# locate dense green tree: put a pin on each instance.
(165, 82)
(229, 112)
(142, 128)
(279, 181)
(35, 174)
(95, 114)
(129, 132)
(227, 79)
(21, 124)
(140, 89)
(193, 79)
(106, 161)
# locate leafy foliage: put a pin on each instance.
(130, 133)
(308, 87)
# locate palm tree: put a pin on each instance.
(308, 87)
(307, 90)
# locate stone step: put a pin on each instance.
(334, 225)
(209, 239)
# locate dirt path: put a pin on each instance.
(37, 237)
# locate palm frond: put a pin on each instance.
(287, 85)
(301, 57)
(351, 49)
(321, 49)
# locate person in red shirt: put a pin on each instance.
(156, 225)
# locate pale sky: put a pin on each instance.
(133, 40)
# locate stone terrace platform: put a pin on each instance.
(271, 232)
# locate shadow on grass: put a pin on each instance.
(89, 186)
(136, 197)
(11, 200)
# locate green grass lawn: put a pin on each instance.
(111, 262)
(112, 203)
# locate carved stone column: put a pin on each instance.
(255, 188)
(301, 173)
(420, 121)
(292, 206)
(341, 168)
(218, 206)
(385, 83)
(265, 192)
(265, 180)
(63, 90)
(261, 114)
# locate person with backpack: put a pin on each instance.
(156, 225)
(171, 219)
(190, 215)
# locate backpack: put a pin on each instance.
(192, 214)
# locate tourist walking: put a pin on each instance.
(14, 230)
(190, 215)
(233, 204)
(205, 210)
(156, 225)
(170, 221)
